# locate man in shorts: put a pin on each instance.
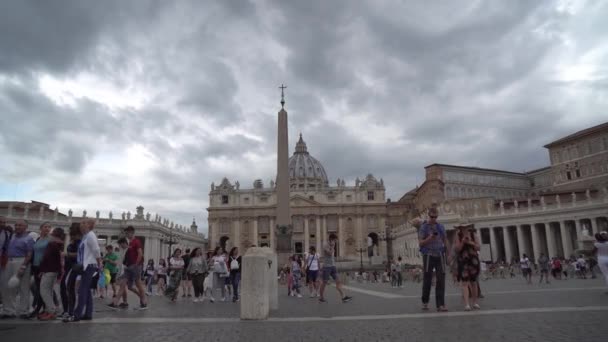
(121, 279)
(312, 271)
(134, 262)
(329, 270)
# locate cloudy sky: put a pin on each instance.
(106, 105)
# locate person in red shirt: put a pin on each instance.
(134, 261)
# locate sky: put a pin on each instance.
(107, 105)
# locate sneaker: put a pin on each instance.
(212, 300)
(312, 295)
(195, 300)
(111, 306)
(143, 307)
(70, 319)
(223, 299)
(123, 305)
(467, 308)
(346, 299)
(322, 300)
(45, 316)
(476, 307)
(299, 295)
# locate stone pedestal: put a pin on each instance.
(255, 299)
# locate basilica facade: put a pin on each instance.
(354, 213)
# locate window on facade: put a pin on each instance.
(331, 197)
(246, 199)
(569, 175)
(349, 198)
(370, 195)
(578, 173)
(263, 199)
(312, 198)
(224, 199)
(301, 186)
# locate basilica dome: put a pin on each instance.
(304, 170)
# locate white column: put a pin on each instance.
(236, 235)
(493, 244)
(306, 235)
(593, 226)
(318, 234)
(360, 235)
(271, 232)
(341, 238)
(579, 232)
(324, 234)
(535, 242)
(521, 243)
(255, 231)
(566, 241)
(508, 245)
(551, 245)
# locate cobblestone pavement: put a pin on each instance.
(512, 311)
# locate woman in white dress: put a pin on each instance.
(219, 272)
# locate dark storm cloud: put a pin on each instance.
(447, 82)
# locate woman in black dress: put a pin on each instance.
(468, 264)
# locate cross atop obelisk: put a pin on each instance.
(282, 87)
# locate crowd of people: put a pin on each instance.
(32, 265)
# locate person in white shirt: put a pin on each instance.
(600, 248)
(526, 271)
(581, 263)
(312, 271)
(89, 256)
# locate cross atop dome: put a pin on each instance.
(301, 146)
(282, 87)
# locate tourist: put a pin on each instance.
(197, 269)
(400, 268)
(312, 271)
(121, 278)
(89, 257)
(219, 273)
(329, 270)
(526, 270)
(432, 240)
(111, 264)
(581, 263)
(287, 272)
(19, 253)
(543, 264)
(556, 268)
(37, 255)
(176, 268)
(393, 269)
(149, 275)
(600, 249)
(5, 236)
(68, 283)
(468, 264)
(186, 279)
(50, 270)
(295, 270)
(134, 260)
(592, 263)
(161, 274)
(226, 276)
(234, 261)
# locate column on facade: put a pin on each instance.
(255, 232)
(306, 235)
(593, 227)
(493, 244)
(536, 250)
(521, 242)
(341, 237)
(382, 248)
(236, 235)
(213, 233)
(579, 232)
(566, 240)
(361, 242)
(551, 244)
(508, 245)
(271, 233)
(324, 234)
(318, 235)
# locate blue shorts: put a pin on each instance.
(312, 275)
(330, 272)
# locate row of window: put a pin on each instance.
(580, 150)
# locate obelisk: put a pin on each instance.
(283, 222)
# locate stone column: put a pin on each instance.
(521, 243)
(566, 241)
(236, 235)
(535, 242)
(255, 232)
(579, 232)
(341, 237)
(324, 233)
(255, 296)
(593, 226)
(551, 244)
(271, 233)
(493, 244)
(508, 246)
(360, 235)
(318, 234)
(306, 235)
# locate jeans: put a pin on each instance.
(69, 283)
(149, 281)
(430, 264)
(47, 282)
(198, 281)
(399, 278)
(85, 297)
(38, 303)
(235, 279)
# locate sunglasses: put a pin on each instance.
(433, 217)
